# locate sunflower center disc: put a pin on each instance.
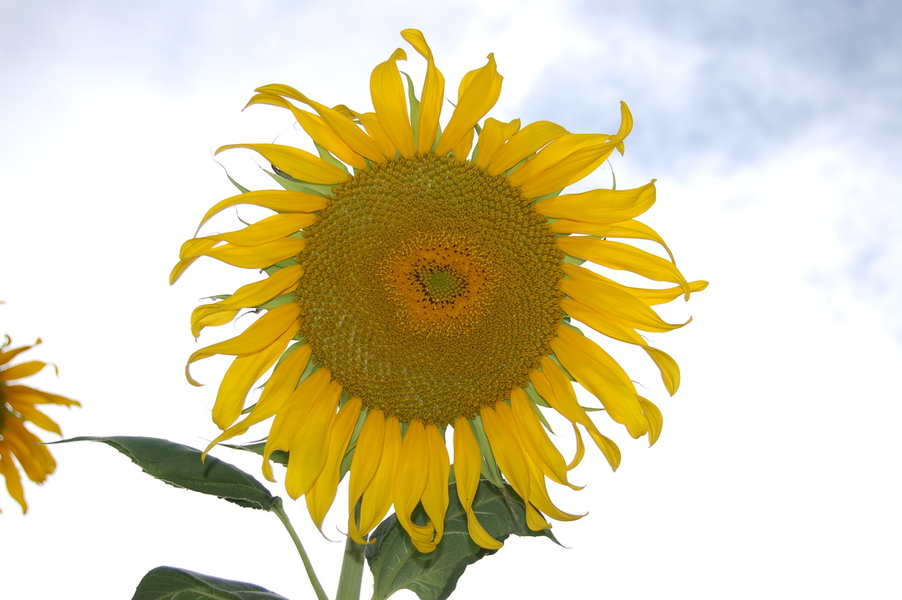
(430, 288)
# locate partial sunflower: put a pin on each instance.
(19, 404)
(421, 278)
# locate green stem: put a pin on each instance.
(351, 571)
(308, 566)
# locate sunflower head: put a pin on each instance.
(426, 275)
(19, 447)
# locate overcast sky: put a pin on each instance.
(773, 129)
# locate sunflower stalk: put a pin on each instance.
(308, 566)
(349, 582)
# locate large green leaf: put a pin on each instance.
(397, 565)
(181, 466)
(166, 583)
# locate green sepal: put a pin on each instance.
(489, 467)
(329, 158)
(396, 564)
(290, 183)
(168, 583)
(181, 466)
(414, 107)
(278, 301)
(278, 456)
(537, 400)
(240, 187)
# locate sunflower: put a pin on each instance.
(421, 278)
(18, 404)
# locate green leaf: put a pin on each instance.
(397, 565)
(181, 466)
(278, 456)
(167, 583)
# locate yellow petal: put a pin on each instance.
(467, 468)
(630, 229)
(254, 257)
(268, 230)
(597, 372)
(670, 371)
(378, 497)
(493, 136)
(555, 387)
(612, 301)
(563, 162)
(344, 127)
(542, 451)
(317, 129)
(435, 495)
(29, 413)
(283, 201)
(508, 452)
(281, 384)
(600, 206)
(241, 376)
(655, 420)
(479, 90)
(623, 257)
(261, 334)
(285, 426)
(390, 103)
(523, 144)
(433, 92)
(247, 296)
(25, 369)
(310, 448)
(364, 465)
(8, 355)
(23, 393)
(13, 480)
(299, 164)
(410, 483)
(322, 494)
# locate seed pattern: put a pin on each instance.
(430, 288)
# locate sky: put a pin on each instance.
(773, 130)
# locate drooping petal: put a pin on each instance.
(378, 497)
(241, 376)
(410, 484)
(655, 420)
(595, 370)
(435, 495)
(555, 387)
(289, 417)
(467, 468)
(13, 480)
(322, 494)
(310, 447)
(542, 451)
(366, 462)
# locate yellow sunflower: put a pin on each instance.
(18, 404)
(424, 277)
